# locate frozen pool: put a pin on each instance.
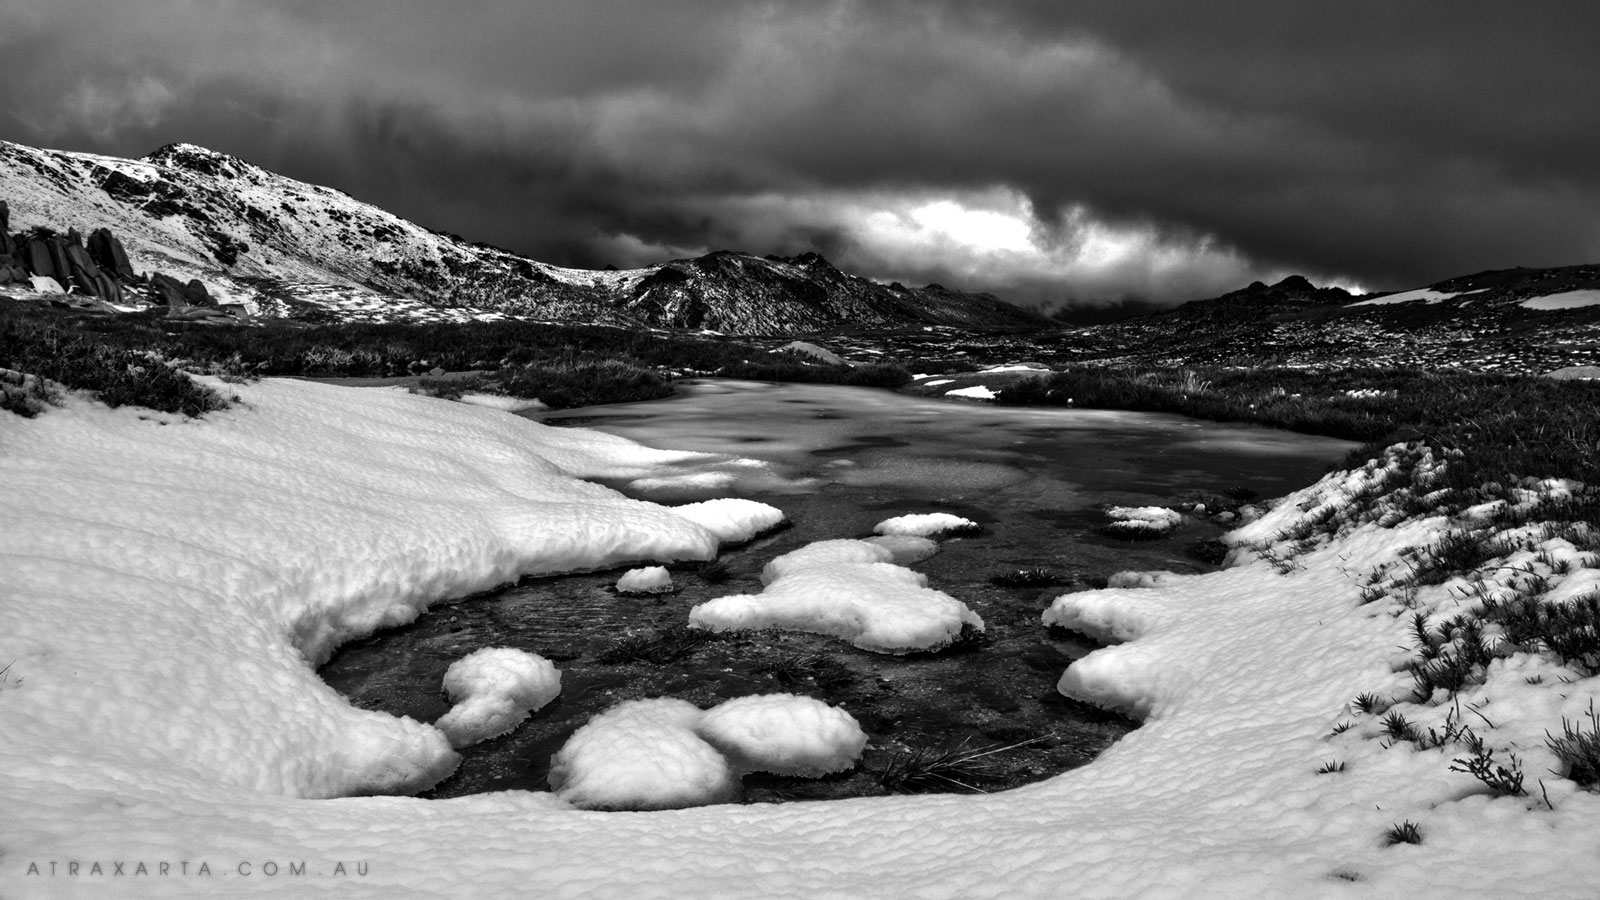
(837, 461)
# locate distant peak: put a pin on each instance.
(1294, 283)
(199, 159)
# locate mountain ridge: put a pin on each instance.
(290, 249)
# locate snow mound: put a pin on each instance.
(923, 524)
(642, 754)
(1142, 521)
(731, 519)
(648, 580)
(493, 690)
(976, 392)
(784, 734)
(666, 753)
(849, 589)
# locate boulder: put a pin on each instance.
(5, 216)
(108, 253)
(37, 259)
(174, 293)
(59, 268)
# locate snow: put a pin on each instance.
(502, 402)
(641, 755)
(905, 549)
(784, 734)
(46, 285)
(1427, 294)
(167, 584)
(849, 589)
(935, 382)
(648, 580)
(976, 392)
(922, 524)
(731, 519)
(494, 689)
(1564, 300)
(1152, 520)
(665, 753)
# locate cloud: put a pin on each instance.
(1044, 151)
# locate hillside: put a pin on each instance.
(1527, 321)
(284, 248)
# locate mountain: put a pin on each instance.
(280, 247)
(1529, 321)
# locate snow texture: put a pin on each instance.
(494, 689)
(922, 524)
(648, 580)
(165, 584)
(849, 589)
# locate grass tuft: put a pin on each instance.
(1406, 832)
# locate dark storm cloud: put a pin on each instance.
(1158, 151)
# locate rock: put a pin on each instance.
(5, 217)
(36, 257)
(108, 253)
(59, 268)
(85, 274)
(198, 295)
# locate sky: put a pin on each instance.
(1095, 154)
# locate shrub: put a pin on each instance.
(1578, 749)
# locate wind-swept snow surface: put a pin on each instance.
(164, 587)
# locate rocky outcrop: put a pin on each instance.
(99, 269)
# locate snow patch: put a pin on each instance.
(976, 392)
(923, 524)
(648, 580)
(848, 589)
(1564, 300)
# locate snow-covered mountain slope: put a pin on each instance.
(287, 248)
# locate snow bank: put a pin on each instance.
(158, 706)
(493, 690)
(648, 580)
(668, 754)
(923, 524)
(976, 392)
(192, 569)
(848, 589)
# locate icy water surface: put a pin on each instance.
(837, 461)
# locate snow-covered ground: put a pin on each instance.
(166, 587)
